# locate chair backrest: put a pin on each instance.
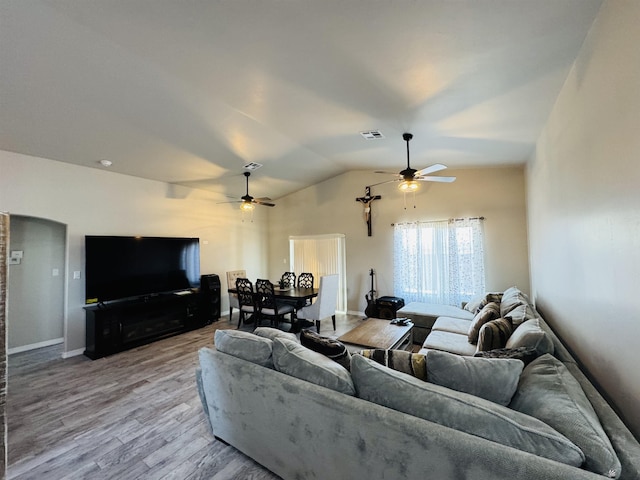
(305, 280)
(289, 279)
(328, 295)
(246, 295)
(233, 275)
(265, 295)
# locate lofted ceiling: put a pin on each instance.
(188, 92)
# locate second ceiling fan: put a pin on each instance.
(409, 177)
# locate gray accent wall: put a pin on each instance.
(583, 188)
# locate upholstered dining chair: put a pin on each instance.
(289, 279)
(305, 280)
(325, 304)
(231, 283)
(268, 306)
(246, 300)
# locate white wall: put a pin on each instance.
(584, 208)
(36, 285)
(96, 202)
(498, 194)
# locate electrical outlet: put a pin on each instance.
(76, 275)
(55, 272)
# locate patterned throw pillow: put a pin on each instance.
(333, 349)
(526, 354)
(489, 312)
(414, 364)
(494, 334)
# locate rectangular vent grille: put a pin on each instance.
(252, 166)
(372, 134)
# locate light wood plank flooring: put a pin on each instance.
(133, 415)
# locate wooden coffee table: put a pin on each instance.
(377, 333)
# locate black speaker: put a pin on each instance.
(388, 306)
(209, 298)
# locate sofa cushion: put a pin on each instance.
(414, 364)
(298, 361)
(333, 349)
(450, 324)
(449, 342)
(550, 393)
(494, 334)
(245, 345)
(526, 354)
(475, 304)
(520, 314)
(490, 311)
(461, 411)
(530, 334)
(271, 333)
(513, 297)
(493, 379)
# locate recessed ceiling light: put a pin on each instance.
(372, 134)
(106, 163)
(252, 166)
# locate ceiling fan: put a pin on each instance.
(409, 177)
(247, 202)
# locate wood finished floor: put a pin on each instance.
(134, 415)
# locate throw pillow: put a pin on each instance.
(244, 345)
(489, 312)
(526, 354)
(464, 412)
(494, 334)
(520, 314)
(475, 304)
(413, 364)
(271, 333)
(333, 349)
(298, 361)
(493, 379)
(530, 334)
(549, 392)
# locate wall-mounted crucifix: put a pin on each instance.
(367, 200)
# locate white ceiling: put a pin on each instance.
(190, 91)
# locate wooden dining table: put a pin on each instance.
(295, 296)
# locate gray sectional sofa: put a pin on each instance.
(304, 416)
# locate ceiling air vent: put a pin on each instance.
(252, 166)
(372, 134)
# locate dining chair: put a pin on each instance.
(325, 304)
(246, 300)
(268, 306)
(305, 280)
(233, 297)
(289, 279)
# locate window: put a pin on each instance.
(439, 262)
(321, 255)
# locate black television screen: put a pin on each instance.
(123, 267)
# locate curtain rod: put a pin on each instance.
(434, 221)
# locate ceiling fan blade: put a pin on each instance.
(386, 173)
(264, 199)
(436, 179)
(386, 181)
(231, 201)
(257, 201)
(436, 167)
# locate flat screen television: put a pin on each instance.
(119, 268)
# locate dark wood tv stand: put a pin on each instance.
(120, 325)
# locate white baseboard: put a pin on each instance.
(73, 353)
(34, 346)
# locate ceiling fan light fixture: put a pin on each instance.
(408, 186)
(247, 206)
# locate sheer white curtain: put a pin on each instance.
(321, 255)
(439, 262)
